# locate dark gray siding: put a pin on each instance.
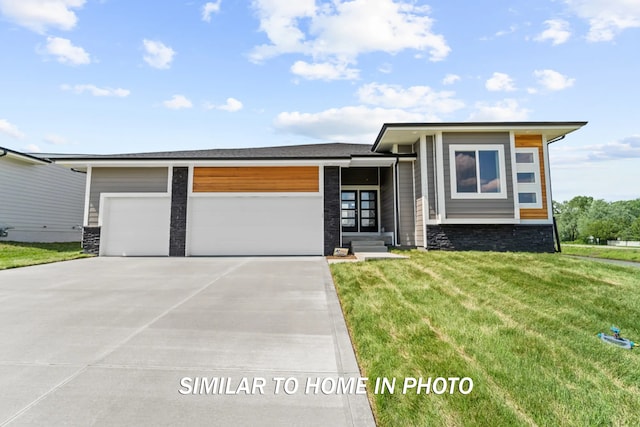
(124, 180)
(331, 209)
(406, 208)
(179, 195)
(387, 207)
(478, 208)
(491, 237)
(431, 176)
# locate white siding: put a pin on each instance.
(42, 202)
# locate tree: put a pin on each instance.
(568, 215)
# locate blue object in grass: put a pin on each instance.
(616, 339)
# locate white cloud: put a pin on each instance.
(450, 79)
(10, 129)
(500, 82)
(97, 91)
(55, 139)
(502, 111)
(385, 68)
(626, 148)
(421, 99)
(158, 55)
(557, 32)
(380, 103)
(324, 71)
(607, 18)
(347, 124)
(65, 52)
(338, 32)
(177, 102)
(32, 148)
(232, 105)
(572, 155)
(210, 8)
(38, 15)
(553, 80)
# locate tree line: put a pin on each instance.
(584, 218)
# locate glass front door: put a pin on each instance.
(359, 210)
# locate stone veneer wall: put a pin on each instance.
(331, 208)
(491, 237)
(178, 227)
(91, 240)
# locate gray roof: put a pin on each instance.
(309, 151)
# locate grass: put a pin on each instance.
(18, 254)
(522, 326)
(623, 254)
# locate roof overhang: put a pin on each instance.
(352, 161)
(408, 133)
(22, 157)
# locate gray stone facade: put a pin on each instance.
(491, 237)
(179, 193)
(331, 208)
(91, 240)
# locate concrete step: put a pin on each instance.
(355, 243)
(356, 249)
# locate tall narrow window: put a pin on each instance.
(528, 177)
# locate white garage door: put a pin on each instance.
(135, 226)
(268, 225)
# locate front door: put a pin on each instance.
(359, 210)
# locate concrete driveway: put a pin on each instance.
(127, 341)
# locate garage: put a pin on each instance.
(255, 211)
(255, 226)
(135, 225)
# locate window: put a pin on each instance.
(477, 171)
(526, 177)
(528, 174)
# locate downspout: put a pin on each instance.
(559, 138)
(556, 234)
(3, 154)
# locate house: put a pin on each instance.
(39, 201)
(483, 186)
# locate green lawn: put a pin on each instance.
(16, 254)
(522, 326)
(625, 254)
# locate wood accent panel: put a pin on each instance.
(523, 141)
(257, 179)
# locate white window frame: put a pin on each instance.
(533, 187)
(477, 147)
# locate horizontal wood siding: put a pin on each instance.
(256, 179)
(431, 183)
(42, 202)
(387, 217)
(406, 210)
(535, 141)
(124, 180)
(478, 208)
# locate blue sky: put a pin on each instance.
(109, 76)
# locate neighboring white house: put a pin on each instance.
(39, 201)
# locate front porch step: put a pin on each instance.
(367, 243)
(356, 249)
(368, 246)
